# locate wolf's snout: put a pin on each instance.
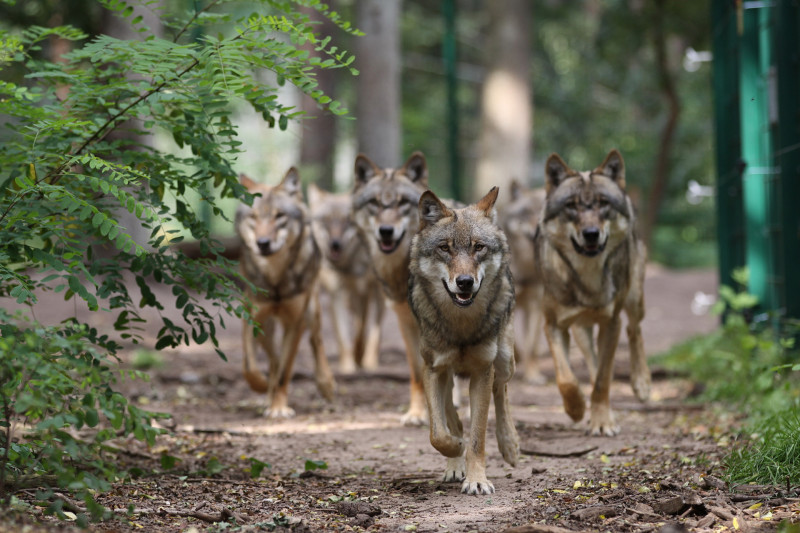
(336, 245)
(465, 282)
(591, 235)
(264, 245)
(386, 231)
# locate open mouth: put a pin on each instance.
(461, 299)
(589, 250)
(389, 245)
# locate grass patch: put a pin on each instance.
(750, 365)
(771, 455)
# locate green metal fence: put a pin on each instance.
(757, 109)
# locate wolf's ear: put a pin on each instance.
(247, 182)
(416, 168)
(516, 189)
(315, 195)
(431, 209)
(291, 183)
(486, 204)
(365, 170)
(555, 170)
(614, 167)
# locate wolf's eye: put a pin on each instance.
(571, 204)
(479, 247)
(444, 247)
(602, 202)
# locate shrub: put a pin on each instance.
(74, 160)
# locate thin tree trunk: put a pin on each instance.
(506, 100)
(318, 138)
(663, 164)
(378, 85)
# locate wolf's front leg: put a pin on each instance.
(558, 339)
(279, 404)
(602, 419)
(438, 394)
(480, 392)
(322, 370)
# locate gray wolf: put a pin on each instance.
(385, 211)
(591, 263)
(519, 221)
(346, 275)
(281, 260)
(462, 296)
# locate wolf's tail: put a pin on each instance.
(257, 381)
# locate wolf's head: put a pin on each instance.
(459, 249)
(275, 220)
(589, 209)
(385, 200)
(332, 222)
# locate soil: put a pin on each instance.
(351, 466)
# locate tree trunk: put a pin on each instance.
(661, 171)
(318, 137)
(378, 84)
(506, 101)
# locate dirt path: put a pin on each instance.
(382, 476)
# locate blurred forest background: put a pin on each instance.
(592, 75)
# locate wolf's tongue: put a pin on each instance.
(386, 246)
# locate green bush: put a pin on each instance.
(749, 364)
(72, 160)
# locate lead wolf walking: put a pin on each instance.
(591, 263)
(462, 296)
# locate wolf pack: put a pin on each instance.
(566, 256)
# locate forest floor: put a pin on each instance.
(351, 465)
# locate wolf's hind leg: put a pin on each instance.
(640, 372)
(506, 432)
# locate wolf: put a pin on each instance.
(347, 276)
(384, 206)
(591, 262)
(519, 221)
(281, 260)
(462, 297)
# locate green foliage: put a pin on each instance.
(312, 464)
(771, 455)
(743, 363)
(752, 367)
(55, 381)
(75, 159)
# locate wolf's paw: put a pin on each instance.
(455, 471)
(574, 404)
(415, 417)
(602, 422)
(508, 443)
(347, 366)
(640, 383)
(279, 412)
(477, 486)
(327, 388)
